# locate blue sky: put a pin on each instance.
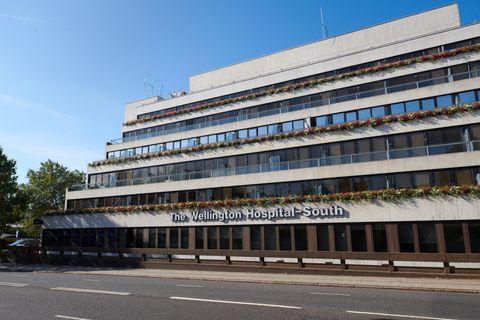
(68, 67)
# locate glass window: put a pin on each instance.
(192, 142)
(428, 104)
(221, 137)
(212, 138)
(322, 237)
(255, 239)
(301, 242)
(162, 237)
(237, 238)
(298, 125)
(364, 114)
(204, 140)
(230, 136)
(184, 238)
(199, 238)
(340, 233)
(379, 237)
(412, 106)
(453, 233)
(174, 238)
(466, 97)
(427, 237)
(397, 108)
(224, 237)
(176, 145)
(474, 233)
(169, 145)
(284, 235)
(287, 126)
(378, 112)
(405, 235)
(338, 118)
(242, 134)
(262, 131)
(421, 180)
(444, 101)
(252, 132)
(463, 177)
(273, 129)
(359, 239)
(351, 116)
(321, 121)
(212, 237)
(270, 237)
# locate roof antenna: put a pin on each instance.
(324, 27)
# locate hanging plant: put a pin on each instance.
(312, 83)
(371, 195)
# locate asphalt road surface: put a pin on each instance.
(38, 296)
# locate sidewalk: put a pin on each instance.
(423, 284)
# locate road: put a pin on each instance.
(39, 295)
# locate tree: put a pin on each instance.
(45, 190)
(8, 189)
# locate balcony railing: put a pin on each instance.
(308, 163)
(353, 96)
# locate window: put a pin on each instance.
(378, 112)
(340, 233)
(242, 134)
(255, 240)
(428, 104)
(199, 238)
(301, 243)
(212, 138)
(270, 237)
(184, 238)
(427, 237)
(237, 238)
(466, 97)
(322, 237)
(230, 136)
(252, 132)
(152, 237)
(203, 140)
(444, 101)
(338, 118)
(284, 234)
(363, 114)
(298, 125)
(379, 237)
(212, 237)
(262, 131)
(474, 232)
(359, 239)
(273, 129)
(453, 233)
(287, 126)
(224, 237)
(174, 238)
(397, 108)
(321, 121)
(405, 235)
(351, 116)
(412, 106)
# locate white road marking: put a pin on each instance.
(91, 280)
(398, 315)
(237, 302)
(331, 294)
(188, 286)
(91, 291)
(13, 284)
(71, 318)
(20, 275)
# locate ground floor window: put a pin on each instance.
(418, 237)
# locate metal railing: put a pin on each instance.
(353, 96)
(298, 164)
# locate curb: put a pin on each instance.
(283, 282)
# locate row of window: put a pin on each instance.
(379, 111)
(376, 145)
(381, 87)
(461, 176)
(323, 75)
(412, 237)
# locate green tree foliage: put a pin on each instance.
(45, 191)
(8, 190)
